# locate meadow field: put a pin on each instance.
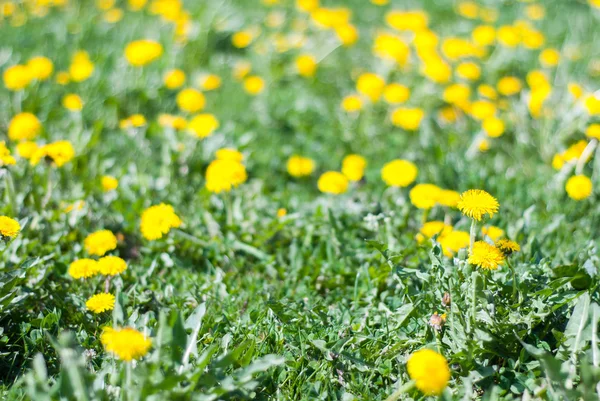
(299, 200)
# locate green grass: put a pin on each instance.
(328, 302)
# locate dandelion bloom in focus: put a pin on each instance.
(111, 265)
(190, 100)
(475, 203)
(126, 344)
(424, 196)
(507, 247)
(100, 303)
(158, 220)
(333, 182)
(83, 268)
(100, 242)
(109, 183)
(399, 173)
(298, 166)
(142, 52)
(579, 187)
(485, 256)
(203, 125)
(9, 228)
(24, 126)
(224, 175)
(353, 167)
(429, 370)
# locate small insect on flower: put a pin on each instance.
(333, 182)
(507, 247)
(83, 268)
(158, 220)
(100, 242)
(9, 228)
(126, 344)
(486, 256)
(100, 303)
(476, 203)
(111, 265)
(429, 370)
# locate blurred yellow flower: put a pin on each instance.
(353, 167)
(242, 39)
(484, 35)
(5, 157)
(190, 100)
(306, 65)
(210, 82)
(579, 187)
(468, 70)
(100, 242)
(142, 52)
(307, 5)
(203, 125)
(298, 166)
(493, 127)
(454, 241)
(429, 370)
(109, 183)
(26, 149)
(59, 152)
(396, 93)
(222, 175)
(40, 68)
(495, 233)
(399, 173)
(333, 182)
(72, 102)
(174, 79)
(352, 103)
(509, 86)
(229, 154)
(127, 344)
(24, 126)
(549, 57)
(424, 196)
(17, 77)
(407, 118)
(254, 85)
(413, 20)
(370, 85)
(81, 67)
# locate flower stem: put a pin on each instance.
(403, 389)
(472, 235)
(514, 277)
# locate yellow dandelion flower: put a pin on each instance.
(190, 100)
(579, 187)
(222, 175)
(83, 268)
(24, 126)
(507, 247)
(203, 125)
(298, 166)
(158, 220)
(111, 265)
(475, 203)
(399, 173)
(100, 242)
(174, 79)
(127, 344)
(429, 370)
(453, 242)
(493, 232)
(109, 183)
(424, 196)
(353, 167)
(448, 198)
(333, 182)
(142, 52)
(9, 228)
(229, 154)
(100, 303)
(485, 256)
